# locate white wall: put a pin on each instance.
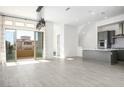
(49, 40)
(89, 32)
(80, 40)
(70, 40)
(59, 30)
(89, 36)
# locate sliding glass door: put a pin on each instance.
(38, 45)
(11, 41)
(10, 37)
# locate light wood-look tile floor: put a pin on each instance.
(62, 73)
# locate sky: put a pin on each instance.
(25, 33)
(8, 36)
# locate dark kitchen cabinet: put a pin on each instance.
(102, 35)
(110, 36)
(120, 55)
(106, 35)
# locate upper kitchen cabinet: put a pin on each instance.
(110, 27)
(119, 31)
(117, 27)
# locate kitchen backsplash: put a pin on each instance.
(119, 43)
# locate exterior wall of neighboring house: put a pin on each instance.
(25, 47)
(25, 43)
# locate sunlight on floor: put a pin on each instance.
(21, 63)
(69, 58)
(44, 61)
(26, 62)
(11, 64)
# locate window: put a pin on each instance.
(8, 22)
(30, 25)
(19, 24)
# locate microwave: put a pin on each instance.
(102, 43)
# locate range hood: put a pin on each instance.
(121, 34)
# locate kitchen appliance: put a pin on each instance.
(103, 44)
(105, 39)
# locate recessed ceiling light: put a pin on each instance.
(92, 12)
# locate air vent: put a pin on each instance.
(121, 34)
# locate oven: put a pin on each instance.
(102, 43)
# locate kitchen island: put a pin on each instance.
(110, 56)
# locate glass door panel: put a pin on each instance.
(38, 45)
(10, 38)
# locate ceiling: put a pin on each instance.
(20, 11)
(76, 15)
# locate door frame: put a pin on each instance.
(14, 44)
(42, 45)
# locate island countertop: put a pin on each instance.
(103, 49)
(102, 55)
